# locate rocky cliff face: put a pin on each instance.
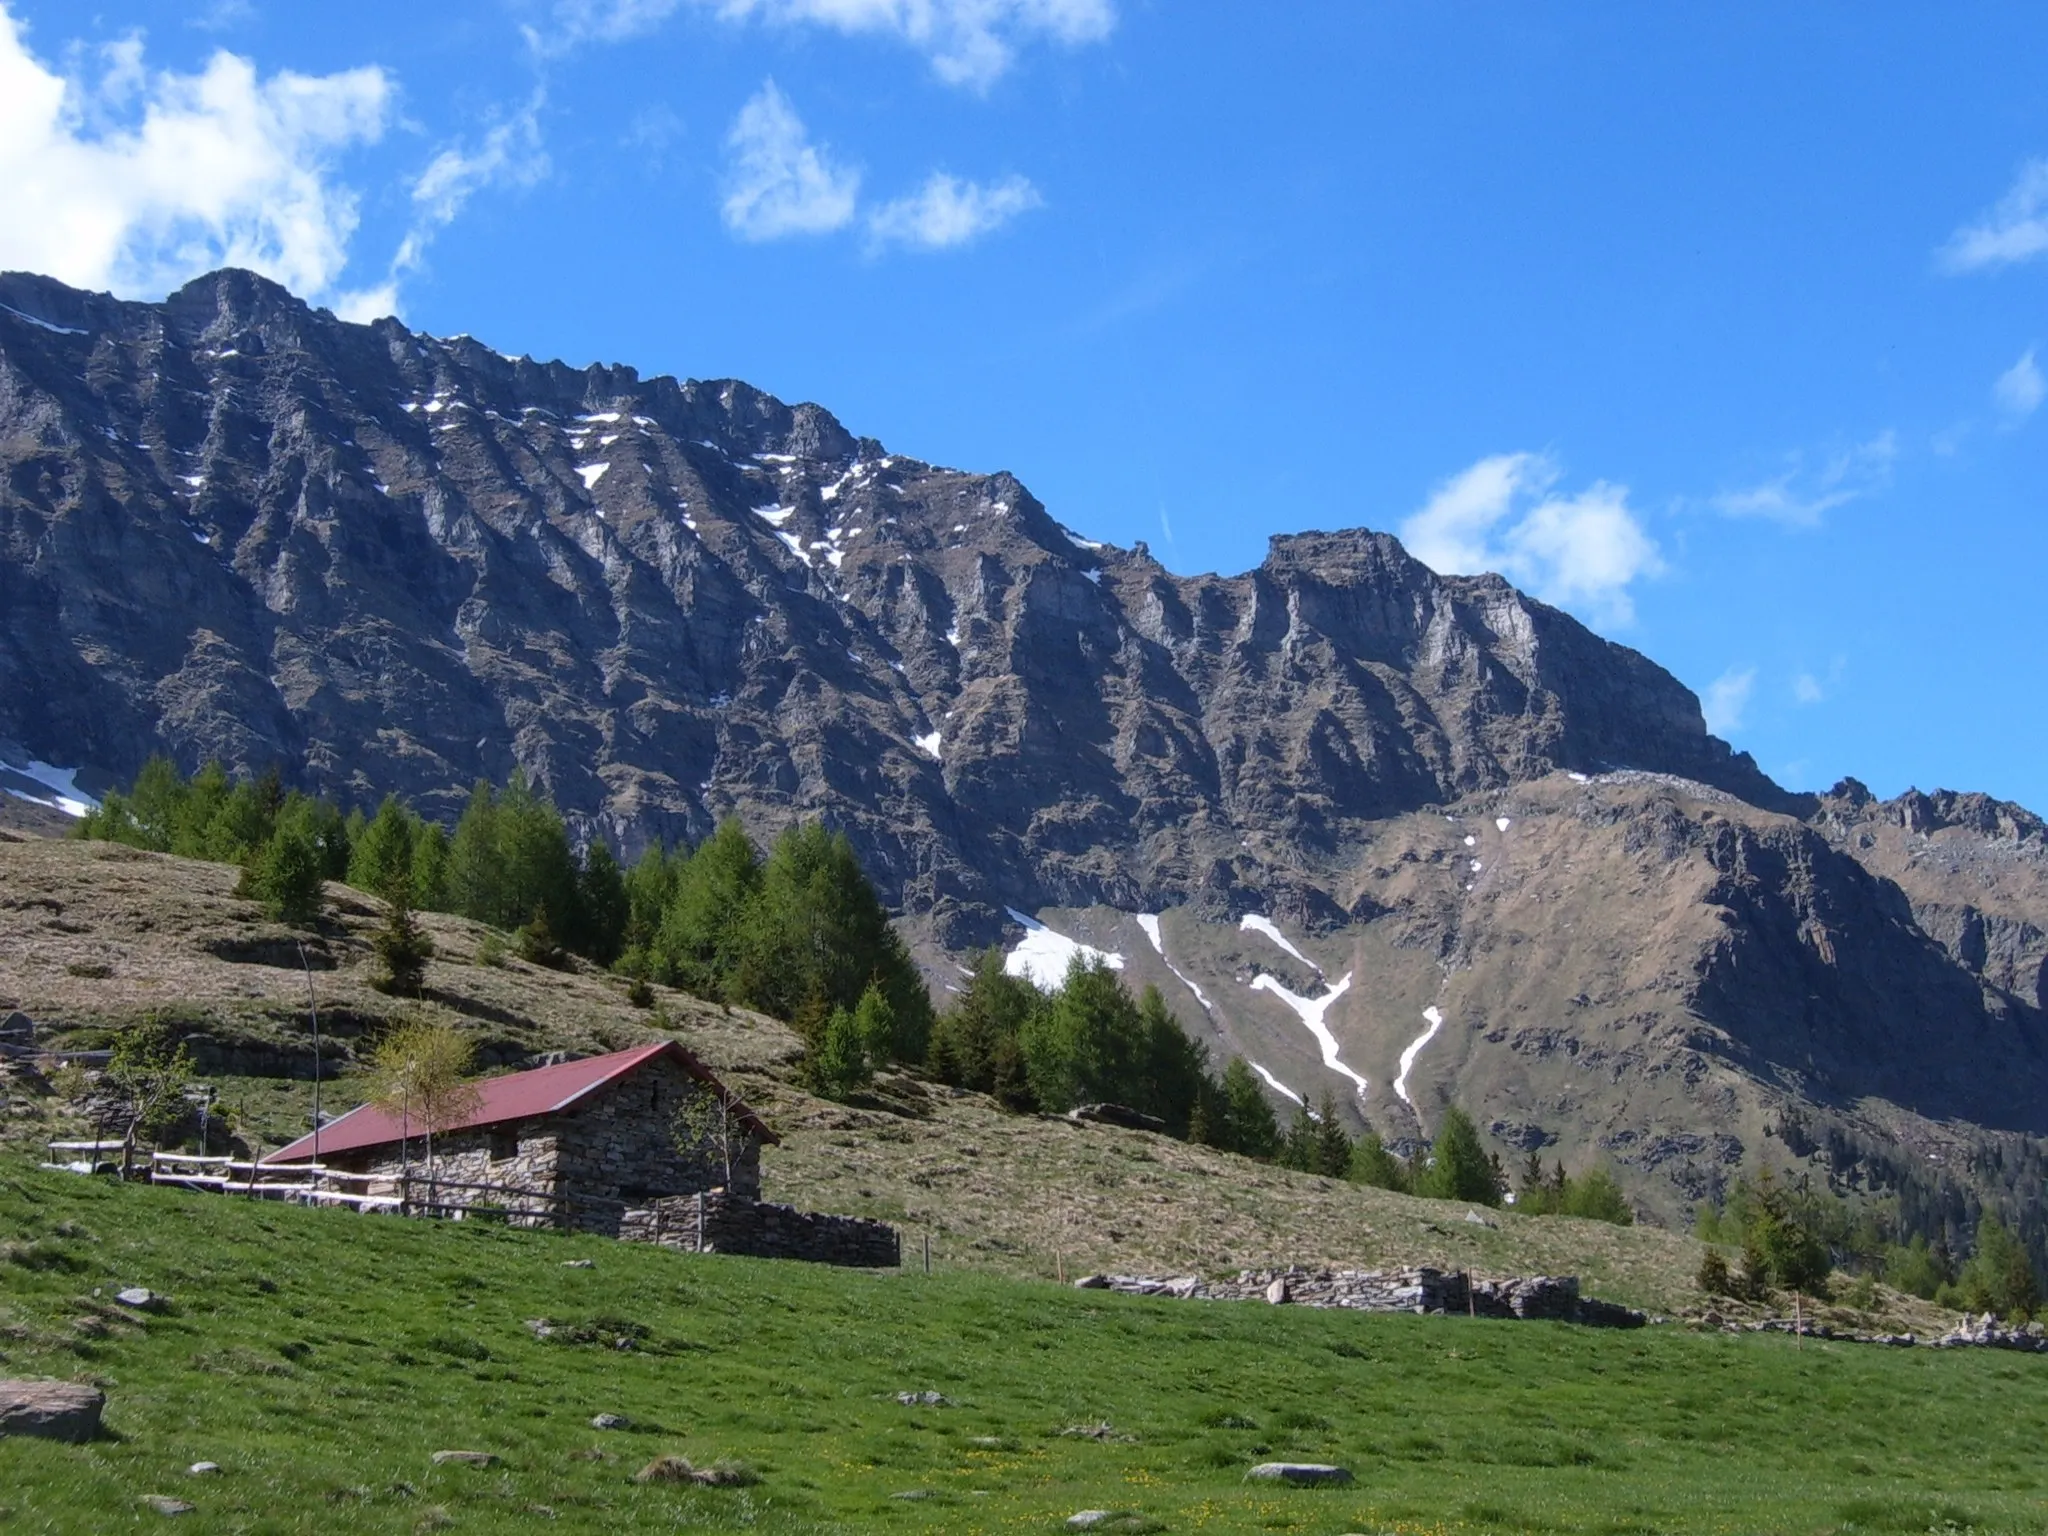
(235, 527)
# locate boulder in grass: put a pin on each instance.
(1305, 1474)
(465, 1458)
(679, 1469)
(51, 1410)
(141, 1298)
(611, 1421)
(164, 1504)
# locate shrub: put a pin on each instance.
(403, 947)
(1714, 1276)
(535, 941)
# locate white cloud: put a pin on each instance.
(947, 211)
(1801, 497)
(143, 181)
(1807, 689)
(779, 183)
(1727, 699)
(2015, 230)
(2019, 389)
(969, 42)
(1583, 550)
(510, 155)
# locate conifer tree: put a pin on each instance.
(382, 852)
(475, 883)
(1460, 1168)
(983, 1026)
(1253, 1131)
(1332, 1153)
(1998, 1277)
(838, 1063)
(703, 930)
(1373, 1164)
(1088, 1044)
(1298, 1147)
(602, 907)
(403, 947)
(286, 876)
(430, 867)
(1172, 1068)
(874, 1023)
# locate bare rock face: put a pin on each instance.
(235, 527)
(51, 1410)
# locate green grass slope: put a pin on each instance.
(321, 1358)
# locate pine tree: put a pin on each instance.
(382, 852)
(430, 867)
(285, 875)
(475, 880)
(1253, 1130)
(1088, 1045)
(1172, 1067)
(1332, 1156)
(1373, 1164)
(602, 905)
(403, 947)
(838, 1064)
(155, 804)
(1998, 1277)
(1298, 1147)
(1460, 1168)
(988, 1014)
(536, 942)
(703, 929)
(874, 1023)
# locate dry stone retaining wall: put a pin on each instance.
(1398, 1290)
(718, 1222)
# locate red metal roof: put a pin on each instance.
(516, 1096)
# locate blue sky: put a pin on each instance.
(1718, 326)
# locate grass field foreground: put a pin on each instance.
(322, 1357)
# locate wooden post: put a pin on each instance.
(1798, 1327)
(1059, 1265)
(927, 1253)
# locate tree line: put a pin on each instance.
(797, 933)
(1792, 1234)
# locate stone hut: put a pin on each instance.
(590, 1144)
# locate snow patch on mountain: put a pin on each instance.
(1434, 1017)
(1276, 1085)
(1149, 921)
(46, 784)
(1042, 956)
(1311, 1012)
(1251, 922)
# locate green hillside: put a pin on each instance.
(322, 1358)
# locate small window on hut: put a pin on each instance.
(504, 1146)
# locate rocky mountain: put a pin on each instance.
(233, 526)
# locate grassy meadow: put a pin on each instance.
(322, 1357)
